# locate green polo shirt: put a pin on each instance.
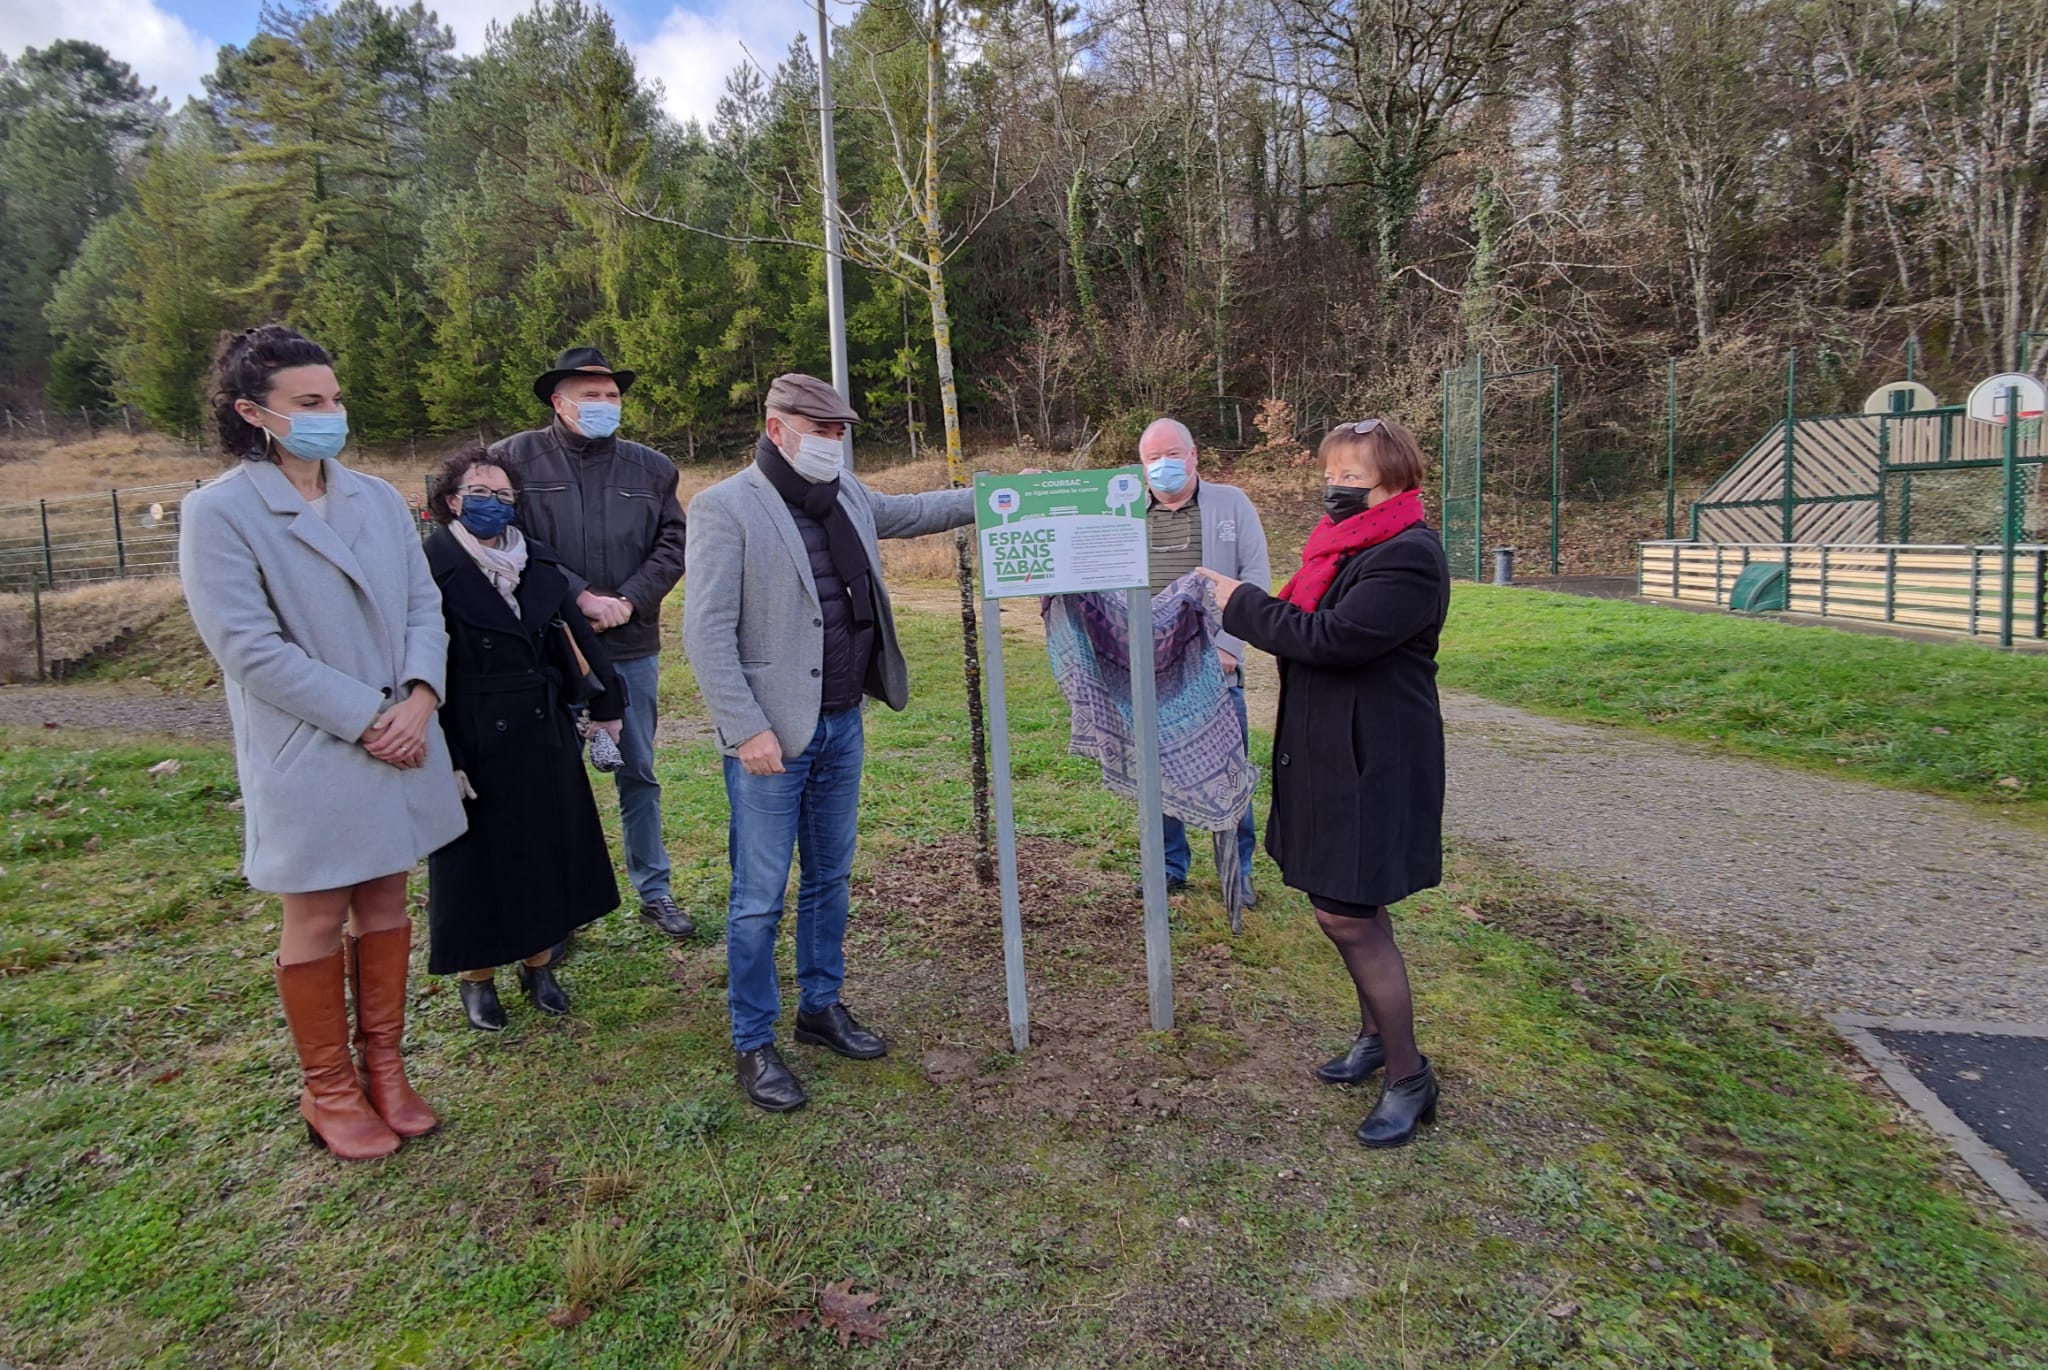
(1176, 538)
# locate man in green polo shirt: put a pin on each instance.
(1196, 523)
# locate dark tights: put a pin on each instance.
(1380, 976)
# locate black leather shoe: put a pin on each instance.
(662, 914)
(480, 1003)
(1365, 1056)
(835, 1030)
(543, 988)
(767, 1081)
(1403, 1105)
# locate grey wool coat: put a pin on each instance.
(752, 625)
(319, 624)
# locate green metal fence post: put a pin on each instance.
(1884, 447)
(1556, 461)
(2009, 527)
(120, 546)
(1791, 448)
(1912, 353)
(1670, 446)
(1444, 450)
(1478, 466)
(49, 565)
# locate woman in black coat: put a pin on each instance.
(1358, 750)
(533, 866)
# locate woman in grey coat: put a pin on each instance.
(308, 585)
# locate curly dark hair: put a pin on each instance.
(243, 365)
(447, 476)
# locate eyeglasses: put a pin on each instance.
(485, 492)
(1362, 427)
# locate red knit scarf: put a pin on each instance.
(1332, 543)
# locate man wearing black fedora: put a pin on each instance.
(608, 508)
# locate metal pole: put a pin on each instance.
(120, 546)
(1478, 463)
(1912, 354)
(1151, 831)
(1556, 462)
(36, 590)
(1443, 465)
(2009, 528)
(1006, 822)
(828, 170)
(1791, 439)
(1670, 447)
(49, 565)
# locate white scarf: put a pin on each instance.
(502, 565)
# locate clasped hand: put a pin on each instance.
(399, 736)
(605, 612)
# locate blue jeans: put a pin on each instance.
(1177, 855)
(639, 791)
(813, 808)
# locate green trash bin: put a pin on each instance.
(1760, 589)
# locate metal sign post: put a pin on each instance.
(1058, 533)
(1006, 822)
(1151, 826)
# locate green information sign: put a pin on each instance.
(1061, 532)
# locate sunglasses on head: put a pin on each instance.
(1362, 427)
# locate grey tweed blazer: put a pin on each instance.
(752, 624)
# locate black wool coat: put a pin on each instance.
(1358, 750)
(533, 865)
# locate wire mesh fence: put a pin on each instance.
(70, 425)
(84, 539)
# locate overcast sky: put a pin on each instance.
(688, 47)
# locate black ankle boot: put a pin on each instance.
(1403, 1105)
(480, 1003)
(543, 989)
(1365, 1056)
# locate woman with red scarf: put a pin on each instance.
(1358, 749)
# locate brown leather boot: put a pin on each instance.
(379, 973)
(335, 1110)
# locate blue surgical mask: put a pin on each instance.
(1167, 474)
(313, 437)
(597, 418)
(486, 518)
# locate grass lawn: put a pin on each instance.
(1635, 1164)
(1957, 719)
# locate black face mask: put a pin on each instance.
(1345, 501)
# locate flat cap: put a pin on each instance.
(796, 393)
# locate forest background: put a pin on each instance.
(1262, 215)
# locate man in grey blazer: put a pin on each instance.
(788, 629)
(1198, 523)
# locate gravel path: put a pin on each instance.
(133, 710)
(1846, 896)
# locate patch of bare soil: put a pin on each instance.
(1093, 1059)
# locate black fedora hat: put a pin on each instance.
(579, 361)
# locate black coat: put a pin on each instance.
(533, 865)
(1358, 750)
